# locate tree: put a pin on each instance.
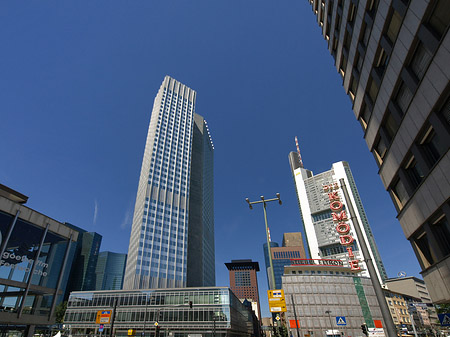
(60, 310)
(443, 308)
(283, 331)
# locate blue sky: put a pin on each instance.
(77, 83)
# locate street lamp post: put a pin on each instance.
(264, 202)
(331, 324)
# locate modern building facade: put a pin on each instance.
(214, 312)
(244, 281)
(322, 293)
(82, 275)
(393, 58)
(172, 236)
(321, 202)
(36, 255)
(110, 271)
(292, 248)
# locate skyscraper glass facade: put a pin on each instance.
(110, 271)
(172, 236)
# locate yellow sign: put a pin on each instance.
(131, 332)
(281, 308)
(103, 317)
(277, 302)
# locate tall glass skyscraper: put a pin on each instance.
(323, 233)
(172, 236)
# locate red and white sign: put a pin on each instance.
(342, 227)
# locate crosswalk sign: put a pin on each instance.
(444, 319)
(340, 320)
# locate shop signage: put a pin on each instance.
(317, 262)
(340, 218)
(13, 261)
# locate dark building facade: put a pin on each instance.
(393, 56)
(244, 281)
(82, 275)
(36, 254)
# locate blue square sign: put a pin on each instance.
(444, 319)
(340, 320)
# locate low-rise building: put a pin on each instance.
(36, 254)
(329, 299)
(179, 312)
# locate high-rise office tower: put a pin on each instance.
(393, 56)
(321, 203)
(172, 236)
(110, 271)
(292, 248)
(244, 281)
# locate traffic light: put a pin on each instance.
(364, 329)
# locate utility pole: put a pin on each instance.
(390, 327)
(269, 252)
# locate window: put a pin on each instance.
(441, 231)
(353, 88)
(389, 127)
(373, 89)
(380, 150)
(381, 61)
(365, 33)
(414, 173)
(351, 13)
(420, 61)
(430, 146)
(358, 61)
(394, 26)
(400, 195)
(403, 97)
(423, 249)
(440, 17)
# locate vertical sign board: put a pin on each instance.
(103, 317)
(277, 302)
(444, 319)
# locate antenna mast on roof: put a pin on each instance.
(298, 151)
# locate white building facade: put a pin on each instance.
(172, 236)
(325, 238)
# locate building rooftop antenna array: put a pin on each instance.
(298, 151)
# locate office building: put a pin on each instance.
(398, 308)
(326, 296)
(87, 248)
(172, 235)
(244, 282)
(393, 58)
(215, 312)
(292, 248)
(36, 254)
(110, 271)
(414, 288)
(330, 231)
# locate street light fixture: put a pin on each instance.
(331, 324)
(264, 202)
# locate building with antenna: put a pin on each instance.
(329, 232)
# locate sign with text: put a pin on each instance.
(103, 317)
(277, 302)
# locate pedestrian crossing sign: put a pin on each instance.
(444, 319)
(340, 320)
